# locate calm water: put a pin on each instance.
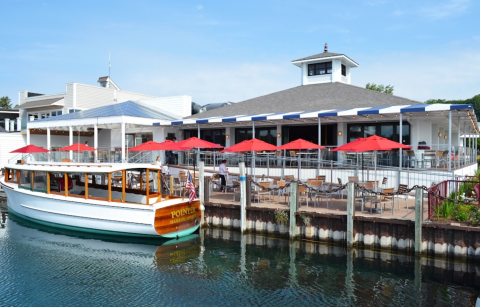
(45, 267)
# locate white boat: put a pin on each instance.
(117, 199)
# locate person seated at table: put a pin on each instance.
(223, 172)
(158, 161)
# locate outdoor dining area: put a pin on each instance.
(315, 193)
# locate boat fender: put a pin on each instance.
(202, 207)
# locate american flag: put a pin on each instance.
(191, 188)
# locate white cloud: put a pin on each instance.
(445, 9)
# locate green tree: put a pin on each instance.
(474, 101)
(380, 88)
(5, 103)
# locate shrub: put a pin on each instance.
(462, 216)
(281, 217)
(306, 219)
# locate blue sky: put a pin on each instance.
(219, 51)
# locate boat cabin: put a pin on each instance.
(137, 184)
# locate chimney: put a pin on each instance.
(326, 48)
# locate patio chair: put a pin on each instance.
(402, 188)
(302, 194)
(177, 186)
(411, 158)
(386, 200)
(321, 177)
(328, 195)
(282, 191)
(374, 183)
(429, 158)
(353, 179)
(236, 189)
(261, 191)
(440, 160)
(289, 178)
(293, 157)
(388, 159)
(346, 158)
(341, 192)
(384, 182)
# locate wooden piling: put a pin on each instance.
(350, 212)
(243, 197)
(293, 209)
(418, 220)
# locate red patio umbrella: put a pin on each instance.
(77, 147)
(372, 143)
(195, 142)
(30, 149)
(152, 146)
(251, 145)
(301, 144)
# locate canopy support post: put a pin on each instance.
(48, 143)
(319, 160)
(123, 143)
(70, 141)
(449, 140)
(400, 152)
(95, 142)
(109, 183)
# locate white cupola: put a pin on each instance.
(326, 67)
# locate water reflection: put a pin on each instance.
(216, 268)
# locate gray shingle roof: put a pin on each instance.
(324, 55)
(312, 97)
(39, 103)
(127, 108)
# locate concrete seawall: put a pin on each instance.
(438, 240)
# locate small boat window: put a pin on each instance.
(39, 181)
(25, 179)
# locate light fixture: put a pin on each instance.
(340, 133)
(278, 135)
(227, 136)
(439, 134)
(445, 136)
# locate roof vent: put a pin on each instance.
(326, 48)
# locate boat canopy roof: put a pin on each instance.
(69, 167)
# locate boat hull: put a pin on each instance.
(80, 215)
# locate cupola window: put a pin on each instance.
(320, 69)
(344, 70)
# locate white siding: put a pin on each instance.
(10, 142)
(104, 138)
(88, 96)
(69, 97)
(123, 96)
(175, 105)
(319, 79)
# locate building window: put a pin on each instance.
(74, 110)
(268, 135)
(344, 70)
(216, 136)
(386, 130)
(319, 69)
